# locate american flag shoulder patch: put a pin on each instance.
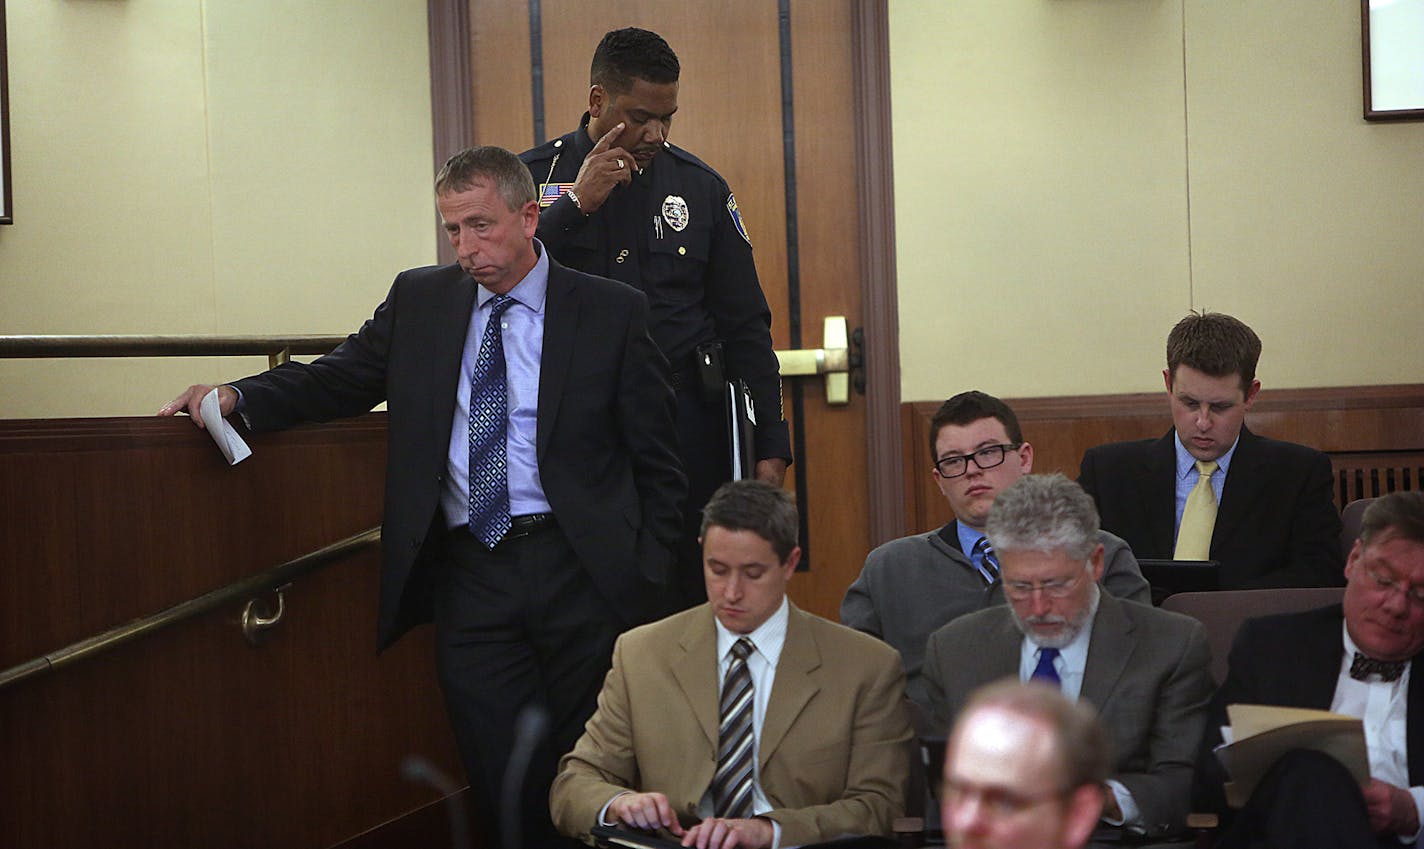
(550, 192)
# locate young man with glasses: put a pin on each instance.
(1359, 658)
(914, 585)
(1024, 770)
(1144, 669)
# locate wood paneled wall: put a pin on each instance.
(1373, 434)
(190, 736)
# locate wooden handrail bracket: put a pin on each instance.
(262, 582)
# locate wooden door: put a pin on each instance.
(789, 153)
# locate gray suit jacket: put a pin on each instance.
(912, 586)
(1148, 675)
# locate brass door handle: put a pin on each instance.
(833, 360)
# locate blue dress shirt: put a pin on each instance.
(523, 331)
(1187, 475)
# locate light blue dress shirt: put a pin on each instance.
(523, 330)
(968, 538)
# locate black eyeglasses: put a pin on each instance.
(985, 458)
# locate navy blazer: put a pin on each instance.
(1277, 525)
(605, 435)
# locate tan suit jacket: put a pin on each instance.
(833, 753)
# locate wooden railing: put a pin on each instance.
(277, 349)
(175, 732)
(254, 619)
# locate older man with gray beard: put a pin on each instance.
(1145, 670)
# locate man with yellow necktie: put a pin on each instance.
(1210, 489)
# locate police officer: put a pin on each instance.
(619, 201)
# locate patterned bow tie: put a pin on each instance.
(1363, 667)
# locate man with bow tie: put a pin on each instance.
(1358, 658)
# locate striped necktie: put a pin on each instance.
(989, 562)
(736, 746)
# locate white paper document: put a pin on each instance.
(229, 443)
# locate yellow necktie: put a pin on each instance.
(1198, 518)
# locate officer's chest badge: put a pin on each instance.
(675, 212)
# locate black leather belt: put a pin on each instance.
(531, 523)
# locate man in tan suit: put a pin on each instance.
(807, 715)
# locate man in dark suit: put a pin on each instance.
(743, 722)
(912, 586)
(532, 484)
(1360, 658)
(1145, 670)
(1264, 508)
(619, 200)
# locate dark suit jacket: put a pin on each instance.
(1291, 660)
(606, 441)
(1148, 675)
(833, 756)
(1276, 526)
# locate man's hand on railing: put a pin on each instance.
(191, 401)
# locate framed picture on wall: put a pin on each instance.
(7, 212)
(1393, 36)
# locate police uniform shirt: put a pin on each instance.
(676, 234)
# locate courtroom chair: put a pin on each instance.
(1222, 612)
(1350, 519)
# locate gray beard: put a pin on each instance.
(1071, 627)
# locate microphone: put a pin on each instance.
(529, 729)
(417, 769)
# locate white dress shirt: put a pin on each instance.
(1383, 707)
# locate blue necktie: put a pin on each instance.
(984, 552)
(489, 419)
(1045, 671)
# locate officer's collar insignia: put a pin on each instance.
(550, 192)
(675, 212)
(737, 217)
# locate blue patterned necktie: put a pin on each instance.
(1045, 671)
(489, 419)
(988, 561)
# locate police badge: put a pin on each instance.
(675, 212)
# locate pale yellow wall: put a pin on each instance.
(1071, 176)
(206, 167)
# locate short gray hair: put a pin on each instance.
(1044, 513)
(511, 179)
